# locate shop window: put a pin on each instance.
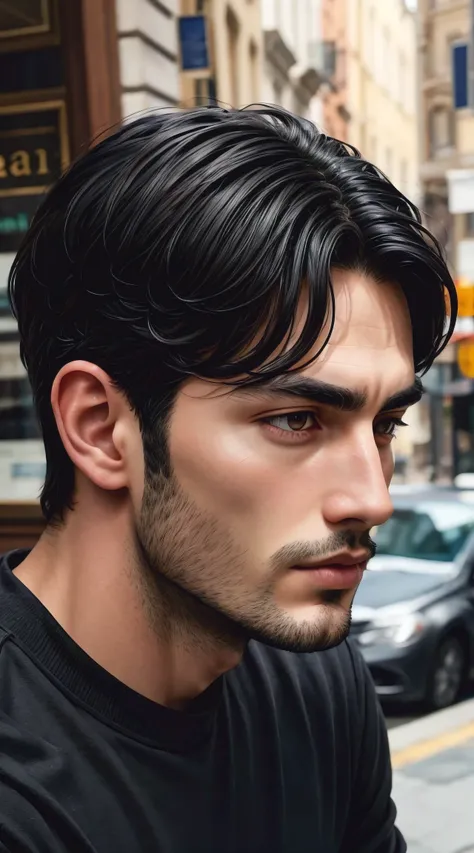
(25, 70)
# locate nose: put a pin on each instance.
(357, 489)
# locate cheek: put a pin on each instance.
(222, 472)
(232, 473)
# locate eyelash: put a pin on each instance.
(302, 434)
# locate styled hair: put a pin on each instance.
(180, 246)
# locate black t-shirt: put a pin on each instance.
(285, 753)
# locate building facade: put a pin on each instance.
(292, 38)
(148, 54)
(334, 47)
(69, 72)
(447, 136)
(380, 95)
(381, 74)
(447, 175)
(235, 45)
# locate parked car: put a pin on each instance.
(413, 615)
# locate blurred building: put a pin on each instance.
(148, 54)
(447, 178)
(381, 76)
(232, 50)
(447, 138)
(292, 69)
(447, 127)
(69, 72)
(336, 115)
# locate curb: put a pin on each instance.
(433, 733)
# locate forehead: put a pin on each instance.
(371, 343)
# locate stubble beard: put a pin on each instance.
(192, 577)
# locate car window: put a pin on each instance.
(426, 532)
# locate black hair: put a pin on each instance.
(179, 246)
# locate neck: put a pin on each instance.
(150, 635)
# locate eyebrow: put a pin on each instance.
(335, 396)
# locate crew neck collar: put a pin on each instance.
(45, 642)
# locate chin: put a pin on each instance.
(327, 628)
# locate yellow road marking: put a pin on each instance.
(427, 748)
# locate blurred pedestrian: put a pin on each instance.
(223, 314)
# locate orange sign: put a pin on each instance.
(466, 358)
(465, 291)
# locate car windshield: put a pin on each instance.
(427, 531)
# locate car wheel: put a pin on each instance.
(447, 675)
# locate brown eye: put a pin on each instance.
(293, 421)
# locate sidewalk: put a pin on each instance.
(433, 780)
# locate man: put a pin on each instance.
(222, 314)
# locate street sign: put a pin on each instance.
(33, 153)
(466, 358)
(194, 43)
(460, 60)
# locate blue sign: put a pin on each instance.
(460, 76)
(193, 41)
(36, 470)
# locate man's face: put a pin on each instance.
(265, 521)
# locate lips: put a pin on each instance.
(344, 571)
(342, 561)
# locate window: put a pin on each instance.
(278, 93)
(31, 18)
(233, 44)
(329, 58)
(469, 224)
(201, 92)
(451, 41)
(441, 129)
(254, 75)
(431, 531)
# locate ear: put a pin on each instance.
(93, 419)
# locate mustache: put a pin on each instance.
(343, 540)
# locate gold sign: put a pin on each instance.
(33, 154)
(466, 358)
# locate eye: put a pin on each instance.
(293, 422)
(388, 427)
